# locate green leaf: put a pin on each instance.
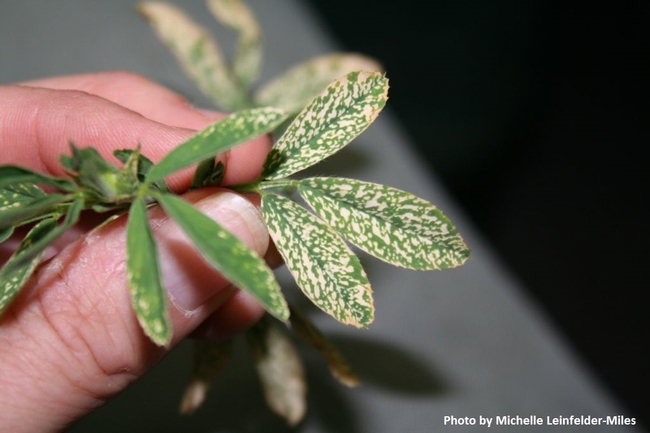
(209, 358)
(12, 175)
(295, 88)
(339, 367)
(226, 253)
(333, 119)
(218, 137)
(5, 233)
(144, 165)
(19, 192)
(143, 272)
(323, 266)
(20, 211)
(388, 223)
(197, 53)
(102, 179)
(248, 57)
(14, 278)
(208, 173)
(280, 370)
(37, 244)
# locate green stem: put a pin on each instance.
(259, 186)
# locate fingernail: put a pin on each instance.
(190, 281)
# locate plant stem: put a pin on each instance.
(258, 186)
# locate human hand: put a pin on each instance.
(70, 341)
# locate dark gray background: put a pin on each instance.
(535, 116)
(527, 122)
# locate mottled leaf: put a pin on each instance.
(13, 278)
(12, 175)
(197, 53)
(388, 223)
(333, 119)
(321, 263)
(209, 358)
(37, 244)
(280, 370)
(338, 365)
(216, 138)
(148, 297)
(295, 88)
(248, 57)
(226, 253)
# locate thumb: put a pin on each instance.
(71, 340)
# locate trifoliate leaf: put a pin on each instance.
(197, 53)
(226, 253)
(148, 297)
(338, 115)
(339, 367)
(248, 57)
(209, 358)
(12, 175)
(390, 224)
(295, 88)
(13, 278)
(323, 266)
(216, 138)
(280, 370)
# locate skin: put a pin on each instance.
(70, 340)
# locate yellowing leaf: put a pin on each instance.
(333, 119)
(197, 53)
(280, 370)
(236, 15)
(323, 266)
(295, 88)
(388, 223)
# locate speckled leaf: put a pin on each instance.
(391, 224)
(248, 57)
(209, 358)
(143, 271)
(196, 51)
(280, 370)
(333, 119)
(216, 138)
(12, 279)
(323, 266)
(338, 365)
(45, 237)
(19, 211)
(230, 256)
(12, 175)
(295, 88)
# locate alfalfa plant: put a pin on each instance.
(312, 111)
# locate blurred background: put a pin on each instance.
(534, 115)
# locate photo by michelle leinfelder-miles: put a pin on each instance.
(536, 420)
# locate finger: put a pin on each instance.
(160, 104)
(71, 340)
(136, 93)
